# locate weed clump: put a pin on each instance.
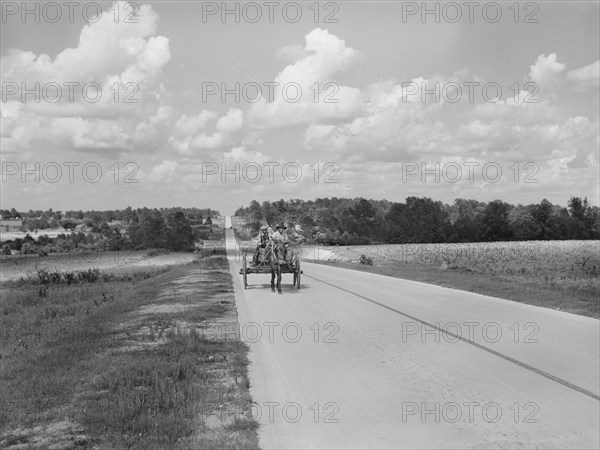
(365, 260)
(55, 276)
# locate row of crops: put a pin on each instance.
(546, 259)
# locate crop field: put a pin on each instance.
(548, 260)
(563, 275)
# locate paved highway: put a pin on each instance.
(356, 360)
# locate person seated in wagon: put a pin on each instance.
(263, 239)
(281, 237)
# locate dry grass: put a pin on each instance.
(124, 363)
(23, 266)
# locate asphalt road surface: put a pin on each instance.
(356, 360)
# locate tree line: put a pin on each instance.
(166, 228)
(41, 220)
(344, 221)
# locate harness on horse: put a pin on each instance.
(276, 251)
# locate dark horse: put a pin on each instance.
(275, 256)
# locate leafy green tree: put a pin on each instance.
(361, 220)
(523, 224)
(179, 233)
(581, 218)
(465, 219)
(116, 240)
(416, 221)
(495, 223)
(542, 214)
(68, 225)
(134, 233)
(153, 229)
(44, 240)
(18, 243)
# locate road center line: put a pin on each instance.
(468, 341)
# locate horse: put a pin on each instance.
(275, 257)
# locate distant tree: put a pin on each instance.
(18, 243)
(416, 221)
(96, 219)
(523, 224)
(134, 233)
(255, 215)
(465, 219)
(179, 233)
(105, 230)
(28, 248)
(578, 208)
(116, 240)
(44, 240)
(153, 230)
(43, 223)
(308, 225)
(68, 225)
(582, 220)
(108, 216)
(495, 223)
(363, 219)
(542, 214)
(325, 220)
(53, 223)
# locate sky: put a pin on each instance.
(213, 104)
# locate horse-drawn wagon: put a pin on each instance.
(274, 259)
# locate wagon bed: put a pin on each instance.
(292, 266)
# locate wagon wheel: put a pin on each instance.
(244, 264)
(298, 271)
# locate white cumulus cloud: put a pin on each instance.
(587, 77)
(306, 90)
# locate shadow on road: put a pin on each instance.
(286, 288)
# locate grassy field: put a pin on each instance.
(18, 266)
(562, 275)
(12, 229)
(133, 357)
